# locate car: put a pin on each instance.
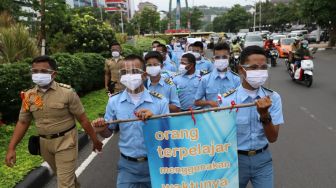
(295, 35)
(284, 46)
(277, 38)
(253, 39)
(304, 33)
(312, 36)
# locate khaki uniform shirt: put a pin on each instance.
(57, 110)
(113, 67)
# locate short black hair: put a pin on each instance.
(155, 55)
(135, 57)
(191, 58)
(198, 44)
(251, 50)
(155, 41)
(44, 58)
(222, 46)
(164, 47)
(115, 43)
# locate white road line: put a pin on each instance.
(322, 123)
(90, 158)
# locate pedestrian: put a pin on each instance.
(112, 66)
(134, 101)
(202, 63)
(54, 108)
(159, 84)
(259, 125)
(168, 64)
(155, 44)
(219, 81)
(187, 81)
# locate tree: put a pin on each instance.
(322, 12)
(195, 18)
(147, 20)
(10, 6)
(233, 20)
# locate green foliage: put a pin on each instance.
(10, 6)
(145, 43)
(121, 38)
(71, 70)
(196, 16)
(233, 20)
(128, 49)
(16, 44)
(94, 74)
(87, 34)
(147, 20)
(14, 78)
(94, 104)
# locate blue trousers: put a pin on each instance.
(258, 169)
(133, 174)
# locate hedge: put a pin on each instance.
(83, 71)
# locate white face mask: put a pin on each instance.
(115, 54)
(153, 49)
(41, 79)
(221, 64)
(182, 69)
(197, 55)
(256, 78)
(131, 81)
(153, 70)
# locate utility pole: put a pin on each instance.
(42, 38)
(260, 15)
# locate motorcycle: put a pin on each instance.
(304, 74)
(273, 55)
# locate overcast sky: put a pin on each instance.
(164, 4)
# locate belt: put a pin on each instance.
(252, 152)
(141, 159)
(51, 136)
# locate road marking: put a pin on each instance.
(90, 158)
(305, 110)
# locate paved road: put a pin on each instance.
(304, 155)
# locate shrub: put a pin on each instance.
(14, 78)
(128, 49)
(145, 43)
(71, 70)
(94, 75)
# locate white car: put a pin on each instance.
(253, 39)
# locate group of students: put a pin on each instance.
(140, 87)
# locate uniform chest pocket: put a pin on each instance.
(57, 105)
(243, 124)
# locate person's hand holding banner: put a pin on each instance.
(99, 125)
(143, 114)
(213, 104)
(263, 105)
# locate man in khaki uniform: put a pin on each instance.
(112, 66)
(54, 107)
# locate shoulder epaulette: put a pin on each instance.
(229, 92)
(204, 72)
(169, 81)
(234, 73)
(156, 94)
(65, 85)
(267, 89)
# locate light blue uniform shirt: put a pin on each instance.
(186, 88)
(169, 65)
(213, 85)
(120, 106)
(250, 132)
(166, 89)
(204, 65)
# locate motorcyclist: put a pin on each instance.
(235, 46)
(301, 53)
(268, 46)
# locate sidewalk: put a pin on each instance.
(321, 46)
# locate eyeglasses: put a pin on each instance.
(44, 71)
(255, 67)
(130, 71)
(221, 57)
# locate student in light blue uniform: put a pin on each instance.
(168, 64)
(257, 126)
(187, 81)
(202, 63)
(134, 101)
(219, 81)
(159, 84)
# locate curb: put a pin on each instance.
(328, 48)
(39, 176)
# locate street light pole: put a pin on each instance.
(260, 15)
(122, 21)
(254, 20)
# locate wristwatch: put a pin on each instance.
(266, 120)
